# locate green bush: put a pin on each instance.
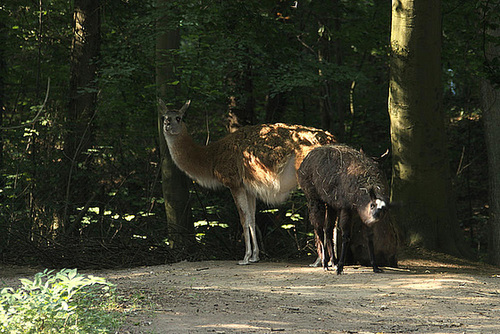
(64, 302)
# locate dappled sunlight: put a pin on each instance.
(305, 136)
(436, 265)
(268, 325)
(421, 283)
(256, 170)
(265, 130)
(292, 297)
(322, 284)
(133, 273)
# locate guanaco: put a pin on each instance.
(258, 161)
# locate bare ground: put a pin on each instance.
(424, 295)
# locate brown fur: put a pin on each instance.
(345, 181)
(258, 161)
(385, 243)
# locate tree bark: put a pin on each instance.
(338, 87)
(242, 101)
(3, 73)
(421, 178)
(85, 50)
(275, 107)
(180, 228)
(491, 112)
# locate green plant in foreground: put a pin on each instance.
(62, 302)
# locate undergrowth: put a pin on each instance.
(62, 302)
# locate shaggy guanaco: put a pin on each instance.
(347, 181)
(259, 161)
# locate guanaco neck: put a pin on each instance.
(191, 158)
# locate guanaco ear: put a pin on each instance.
(163, 106)
(182, 111)
(383, 157)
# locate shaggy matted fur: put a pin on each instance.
(338, 181)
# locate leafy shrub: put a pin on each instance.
(64, 302)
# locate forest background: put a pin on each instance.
(80, 153)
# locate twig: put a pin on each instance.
(305, 45)
(36, 116)
(459, 168)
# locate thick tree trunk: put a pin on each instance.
(180, 228)
(85, 51)
(491, 112)
(339, 87)
(491, 109)
(242, 103)
(4, 222)
(421, 183)
(3, 73)
(275, 107)
(334, 93)
(84, 56)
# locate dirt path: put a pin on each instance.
(222, 297)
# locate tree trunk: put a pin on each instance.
(491, 109)
(83, 93)
(275, 107)
(491, 113)
(421, 178)
(242, 103)
(180, 228)
(85, 51)
(332, 104)
(3, 74)
(338, 87)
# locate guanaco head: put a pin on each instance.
(375, 209)
(172, 119)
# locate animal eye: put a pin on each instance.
(178, 119)
(373, 206)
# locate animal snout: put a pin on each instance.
(167, 124)
(379, 213)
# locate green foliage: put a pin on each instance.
(62, 302)
(331, 53)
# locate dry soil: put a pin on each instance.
(424, 295)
